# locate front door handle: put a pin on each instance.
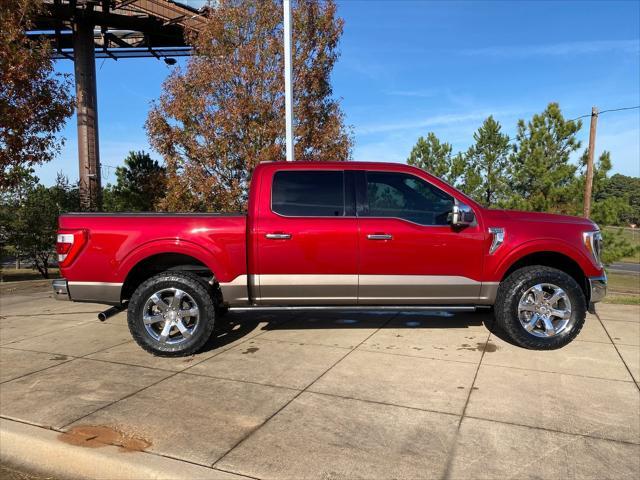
(278, 236)
(379, 236)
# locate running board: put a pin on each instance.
(457, 308)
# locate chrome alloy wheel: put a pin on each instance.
(545, 310)
(171, 316)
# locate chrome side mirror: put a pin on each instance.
(462, 215)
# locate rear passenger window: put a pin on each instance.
(308, 193)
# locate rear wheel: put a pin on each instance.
(171, 314)
(540, 308)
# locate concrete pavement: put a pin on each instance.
(319, 395)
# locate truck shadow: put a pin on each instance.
(236, 325)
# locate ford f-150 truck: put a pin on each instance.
(335, 235)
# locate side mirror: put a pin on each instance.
(462, 215)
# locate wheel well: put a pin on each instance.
(162, 262)
(553, 260)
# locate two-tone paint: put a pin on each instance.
(263, 258)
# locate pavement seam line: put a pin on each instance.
(475, 377)
(234, 473)
(70, 359)
(558, 373)
(149, 386)
(376, 402)
(251, 382)
(252, 432)
(551, 430)
(360, 349)
(38, 371)
(618, 351)
(80, 324)
(303, 343)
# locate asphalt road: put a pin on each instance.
(625, 267)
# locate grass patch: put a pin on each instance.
(624, 283)
(21, 274)
(633, 236)
(622, 299)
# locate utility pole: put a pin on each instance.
(288, 88)
(87, 114)
(588, 184)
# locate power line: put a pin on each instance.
(605, 111)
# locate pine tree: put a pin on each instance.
(141, 184)
(605, 209)
(435, 157)
(486, 171)
(542, 176)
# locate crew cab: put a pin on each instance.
(334, 235)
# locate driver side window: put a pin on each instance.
(401, 195)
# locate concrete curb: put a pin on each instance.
(40, 450)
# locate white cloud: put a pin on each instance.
(447, 119)
(557, 49)
(427, 93)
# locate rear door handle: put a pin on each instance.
(278, 236)
(379, 236)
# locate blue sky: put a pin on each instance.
(410, 67)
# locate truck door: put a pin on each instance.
(306, 238)
(409, 254)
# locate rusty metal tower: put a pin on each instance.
(83, 30)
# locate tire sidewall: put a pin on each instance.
(192, 285)
(525, 279)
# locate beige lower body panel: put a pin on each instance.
(96, 292)
(358, 290)
(488, 293)
(307, 289)
(417, 290)
(236, 292)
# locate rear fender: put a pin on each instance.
(211, 259)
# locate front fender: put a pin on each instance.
(497, 269)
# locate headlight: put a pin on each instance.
(593, 244)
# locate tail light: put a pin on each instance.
(69, 244)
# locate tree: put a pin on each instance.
(435, 157)
(605, 210)
(223, 114)
(30, 220)
(616, 246)
(622, 186)
(487, 161)
(542, 177)
(34, 101)
(140, 184)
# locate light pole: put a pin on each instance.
(288, 88)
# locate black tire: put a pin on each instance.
(197, 289)
(512, 290)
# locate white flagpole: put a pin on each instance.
(288, 88)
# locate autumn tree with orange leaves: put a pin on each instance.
(35, 101)
(224, 113)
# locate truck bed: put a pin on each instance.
(115, 243)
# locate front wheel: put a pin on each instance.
(541, 308)
(171, 314)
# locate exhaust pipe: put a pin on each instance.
(110, 312)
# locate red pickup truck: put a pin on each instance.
(335, 235)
